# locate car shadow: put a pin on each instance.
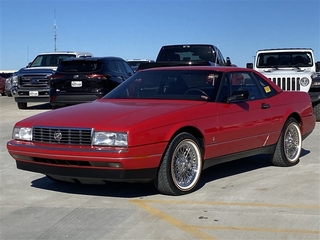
(133, 190)
(43, 106)
(109, 189)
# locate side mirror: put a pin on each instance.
(29, 64)
(238, 96)
(318, 66)
(250, 65)
(228, 61)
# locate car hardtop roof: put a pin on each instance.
(91, 59)
(138, 59)
(66, 52)
(284, 49)
(201, 68)
(193, 44)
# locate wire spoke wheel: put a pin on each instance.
(185, 164)
(181, 166)
(292, 142)
(289, 146)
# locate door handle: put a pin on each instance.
(265, 105)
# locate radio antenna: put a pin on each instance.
(54, 32)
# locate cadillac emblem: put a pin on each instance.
(57, 136)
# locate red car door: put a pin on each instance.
(246, 124)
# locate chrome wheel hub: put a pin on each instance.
(292, 143)
(185, 165)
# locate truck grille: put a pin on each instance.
(62, 135)
(287, 83)
(34, 80)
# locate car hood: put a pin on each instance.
(285, 72)
(116, 115)
(38, 70)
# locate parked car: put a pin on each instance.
(134, 63)
(79, 80)
(9, 80)
(166, 125)
(2, 85)
(188, 55)
(6, 74)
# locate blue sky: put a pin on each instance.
(138, 28)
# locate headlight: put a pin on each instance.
(22, 133)
(110, 139)
(14, 80)
(304, 81)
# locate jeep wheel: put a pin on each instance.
(22, 105)
(316, 111)
(181, 166)
(289, 145)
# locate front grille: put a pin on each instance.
(62, 135)
(34, 80)
(287, 83)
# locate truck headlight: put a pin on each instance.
(14, 80)
(304, 81)
(22, 133)
(110, 139)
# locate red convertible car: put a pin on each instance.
(166, 125)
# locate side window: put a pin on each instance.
(240, 81)
(266, 87)
(128, 69)
(120, 67)
(221, 60)
(244, 81)
(112, 66)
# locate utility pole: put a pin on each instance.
(54, 32)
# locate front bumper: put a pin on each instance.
(90, 175)
(30, 94)
(138, 164)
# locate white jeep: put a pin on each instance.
(293, 69)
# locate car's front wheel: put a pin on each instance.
(181, 166)
(289, 145)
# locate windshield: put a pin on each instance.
(186, 53)
(284, 59)
(51, 60)
(167, 84)
(80, 66)
(136, 63)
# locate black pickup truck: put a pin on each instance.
(188, 54)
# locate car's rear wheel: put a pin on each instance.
(181, 166)
(22, 105)
(289, 145)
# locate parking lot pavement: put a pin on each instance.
(245, 199)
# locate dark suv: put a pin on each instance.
(79, 80)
